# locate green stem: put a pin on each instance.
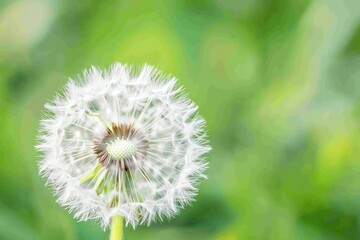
(116, 232)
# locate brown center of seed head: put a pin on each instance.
(122, 147)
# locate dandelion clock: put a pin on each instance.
(124, 144)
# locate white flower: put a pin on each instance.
(123, 142)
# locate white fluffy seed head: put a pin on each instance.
(123, 142)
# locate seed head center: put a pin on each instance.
(121, 149)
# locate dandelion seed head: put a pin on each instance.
(124, 141)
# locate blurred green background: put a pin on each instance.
(277, 81)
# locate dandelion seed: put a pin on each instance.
(123, 143)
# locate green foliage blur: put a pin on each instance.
(277, 81)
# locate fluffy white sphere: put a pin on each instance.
(123, 142)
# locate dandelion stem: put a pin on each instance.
(116, 232)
